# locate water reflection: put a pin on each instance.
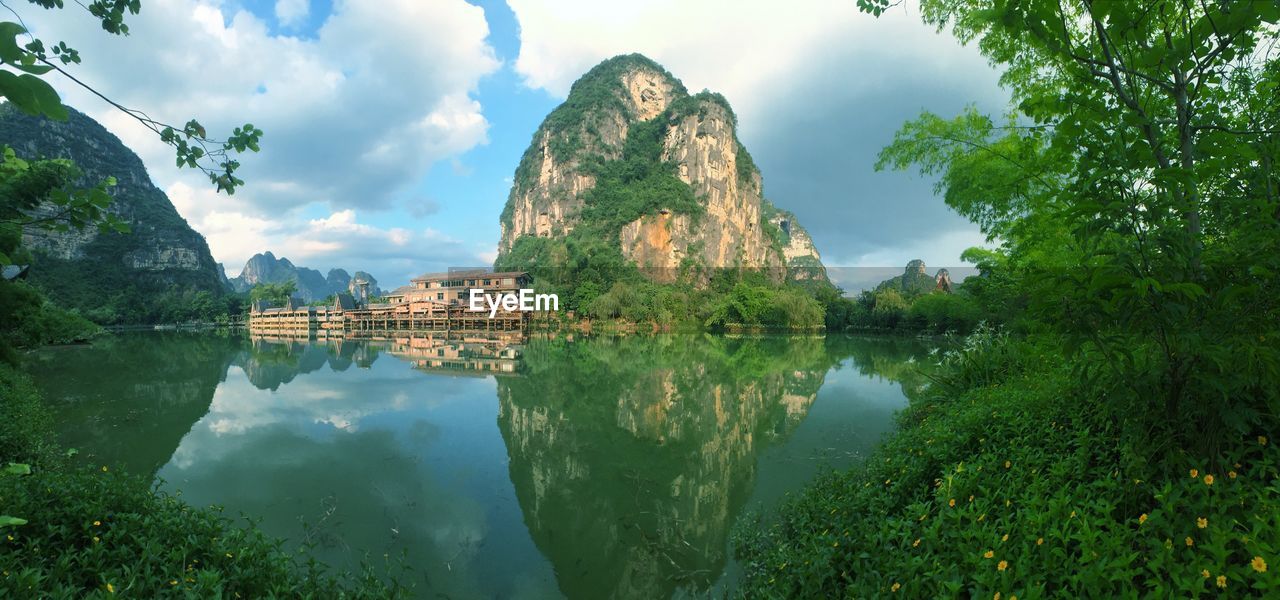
(500, 466)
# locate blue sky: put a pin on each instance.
(393, 128)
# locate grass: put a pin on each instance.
(89, 531)
(1007, 481)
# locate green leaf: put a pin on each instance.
(8, 521)
(16, 469)
(32, 95)
(10, 51)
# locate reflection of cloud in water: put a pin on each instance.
(398, 460)
(358, 491)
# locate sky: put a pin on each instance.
(393, 127)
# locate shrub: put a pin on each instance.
(1014, 484)
(27, 319)
(98, 533)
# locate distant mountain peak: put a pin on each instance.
(265, 267)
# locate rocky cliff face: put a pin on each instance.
(915, 280)
(83, 268)
(266, 268)
(802, 258)
(354, 285)
(557, 187)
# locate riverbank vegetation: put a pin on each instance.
(88, 531)
(1011, 478)
(77, 530)
(1120, 444)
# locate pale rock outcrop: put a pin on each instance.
(698, 139)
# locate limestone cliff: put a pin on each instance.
(84, 269)
(652, 171)
(311, 285)
(915, 280)
(803, 261)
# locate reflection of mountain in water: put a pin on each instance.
(630, 457)
(155, 386)
(271, 362)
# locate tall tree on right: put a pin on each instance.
(1134, 192)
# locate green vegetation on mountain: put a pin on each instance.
(596, 135)
(149, 266)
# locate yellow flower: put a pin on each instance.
(916, 543)
(173, 582)
(1142, 518)
(988, 554)
(97, 523)
(1231, 474)
(996, 597)
(95, 539)
(1190, 542)
(1004, 564)
(228, 555)
(895, 587)
(1004, 538)
(1222, 581)
(110, 588)
(951, 502)
(1007, 464)
(1073, 514)
(1195, 473)
(1202, 522)
(1205, 573)
(104, 470)
(1262, 439)
(1259, 564)
(971, 497)
(1039, 541)
(1208, 479)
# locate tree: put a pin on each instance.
(22, 83)
(275, 293)
(1134, 191)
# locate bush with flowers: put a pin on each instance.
(1005, 481)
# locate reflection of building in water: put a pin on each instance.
(496, 355)
(683, 425)
(277, 357)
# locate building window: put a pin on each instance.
(440, 296)
(487, 283)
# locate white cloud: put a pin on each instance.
(352, 117)
(733, 47)
(292, 13)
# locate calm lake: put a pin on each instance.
(603, 467)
